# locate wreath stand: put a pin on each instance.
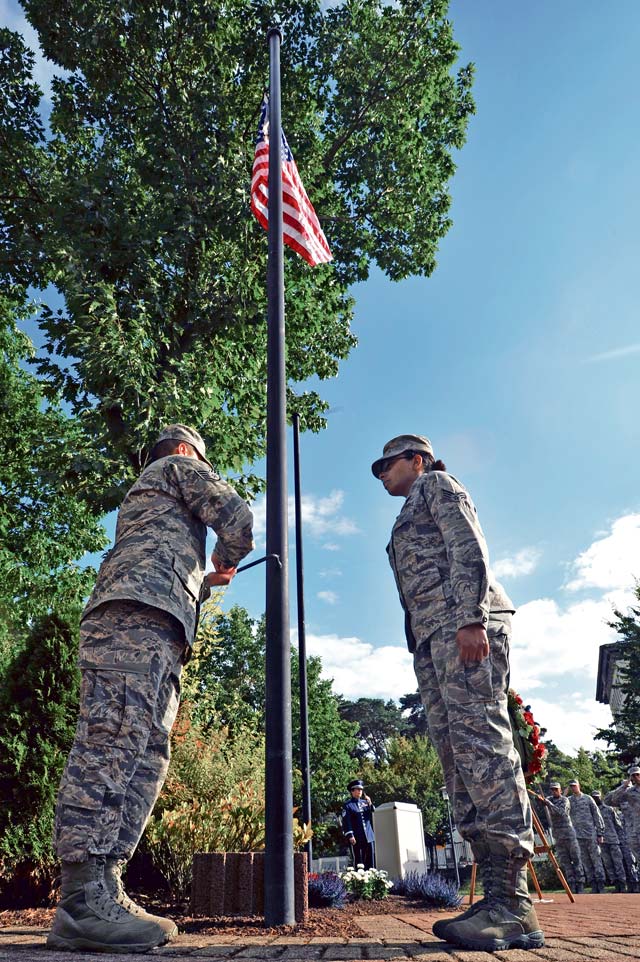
(544, 847)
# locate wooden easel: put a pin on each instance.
(544, 847)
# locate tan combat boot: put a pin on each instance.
(89, 919)
(113, 869)
(481, 854)
(509, 920)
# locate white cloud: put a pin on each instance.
(613, 560)
(360, 670)
(330, 546)
(614, 354)
(320, 517)
(571, 723)
(522, 563)
(329, 596)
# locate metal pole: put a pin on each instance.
(278, 869)
(453, 844)
(302, 642)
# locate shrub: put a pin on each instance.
(38, 707)
(428, 887)
(326, 889)
(362, 883)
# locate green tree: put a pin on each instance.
(134, 203)
(413, 710)
(411, 773)
(225, 685)
(332, 740)
(45, 523)
(623, 735)
(38, 706)
(378, 723)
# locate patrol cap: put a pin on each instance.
(555, 785)
(355, 783)
(596, 794)
(574, 781)
(181, 432)
(396, 446)
(634, 770)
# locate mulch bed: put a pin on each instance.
(337, 923)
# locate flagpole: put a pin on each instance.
(302, 641)
(278, 871)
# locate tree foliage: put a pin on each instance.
(134, 202)
(225, 683)
(378, 723)
(623, 735)
(45, 523)
(38, 706)
(411, 772)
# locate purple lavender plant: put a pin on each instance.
(326, 889)
(428, 887)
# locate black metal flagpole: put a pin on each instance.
(302, 641)
(278, 870)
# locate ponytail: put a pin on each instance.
(439, 466)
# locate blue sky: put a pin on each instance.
(519, 359)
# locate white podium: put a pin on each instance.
(399, 835)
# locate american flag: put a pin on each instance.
(300, 226)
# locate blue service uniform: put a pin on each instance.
(357, 820)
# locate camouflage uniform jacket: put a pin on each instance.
(631, 795)
(612, 824)
(560, 816)
(585, 816)
(158, 557)
(440, 561)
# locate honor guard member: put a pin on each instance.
(610, 849)
(458, 624)
(629, 793)
(357, 825)
(135, 634)
(564, 837)
(589, 826)
(630, 865)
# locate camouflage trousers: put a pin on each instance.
(591, 859)
(612, 860)
(466, 709)
(130, 659)
(629, 859)
(568, 854)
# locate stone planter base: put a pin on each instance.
(232, 883)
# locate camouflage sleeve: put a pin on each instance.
(598, 820)
(616, 796)
(456, 517)
(218, 506)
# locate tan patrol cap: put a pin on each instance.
(574, 781)
(634, 770)
(596, 794)
(396, 446)
(555, 785)
(181, 432)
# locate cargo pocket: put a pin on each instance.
(113, 711)
(478, 678)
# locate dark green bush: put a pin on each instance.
(38, 708)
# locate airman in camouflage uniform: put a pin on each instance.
(629, 794)
(589, 827)
(135, 635)
(610, 848)
(564, 837)
(458, 624)
(629, 859)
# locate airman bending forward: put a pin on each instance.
(136, 632)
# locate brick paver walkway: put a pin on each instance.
(603, 928)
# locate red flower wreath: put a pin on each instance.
(526, 735)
